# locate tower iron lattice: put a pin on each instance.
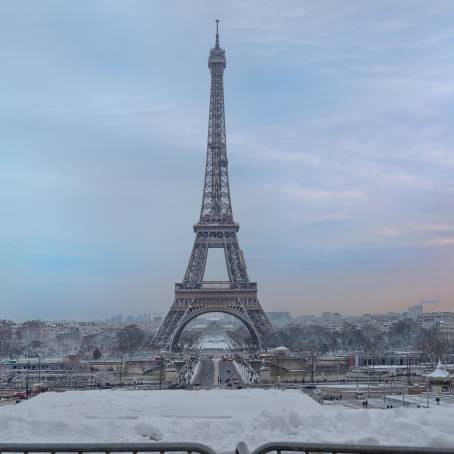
(216, 229)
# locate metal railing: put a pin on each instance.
(191, 448)
(216, 284)
(80, 448)
(308, 448)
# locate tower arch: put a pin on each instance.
(192, 316)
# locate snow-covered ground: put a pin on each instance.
(219, 418)
(210, 342)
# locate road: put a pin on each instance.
(211, 370)
(206, 375)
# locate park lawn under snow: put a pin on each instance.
(218, 418)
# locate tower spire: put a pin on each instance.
(216, 204)
(217, 33)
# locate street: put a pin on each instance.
(213, 369)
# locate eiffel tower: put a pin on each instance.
(215, 229)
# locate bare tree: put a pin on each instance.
(433, 344)
(130, 339)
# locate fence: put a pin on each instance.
(190, 448)
(81, 448)
(308, 448)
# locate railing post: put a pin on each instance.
(242, 448)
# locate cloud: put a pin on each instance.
(319, 196)
(408, 229)
(440, 158)
(339, 123)
(441, 242)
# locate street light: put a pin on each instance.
(121, 370)
(26, 379)
(427, 391)
(312, 366)
(39, 369)
(160, 372)
(408, 369)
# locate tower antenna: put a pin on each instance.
(217, 32)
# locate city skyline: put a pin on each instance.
(126, 317)
(339, 141)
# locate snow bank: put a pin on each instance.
(247, 373)
(194, 372)
(219, 418)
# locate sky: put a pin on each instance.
(341, 152)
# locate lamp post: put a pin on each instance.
(26, 379)
(39, 369)
(427, 391)
(312, 366)
(278, 369)
(160, 372)
(408, 369)
(121, 371)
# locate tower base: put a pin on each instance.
(212, 297)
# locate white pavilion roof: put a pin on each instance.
(439, 372)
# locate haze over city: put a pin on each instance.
(339, 136)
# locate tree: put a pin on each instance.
(97, 353)
(433, 344)
(352, 338)
(130, 339)
(8, 347)
(405, 334)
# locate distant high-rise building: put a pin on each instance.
(280, 318)
(415, 311)
(116, 319)
(327, 315)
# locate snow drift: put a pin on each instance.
(218, 418)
